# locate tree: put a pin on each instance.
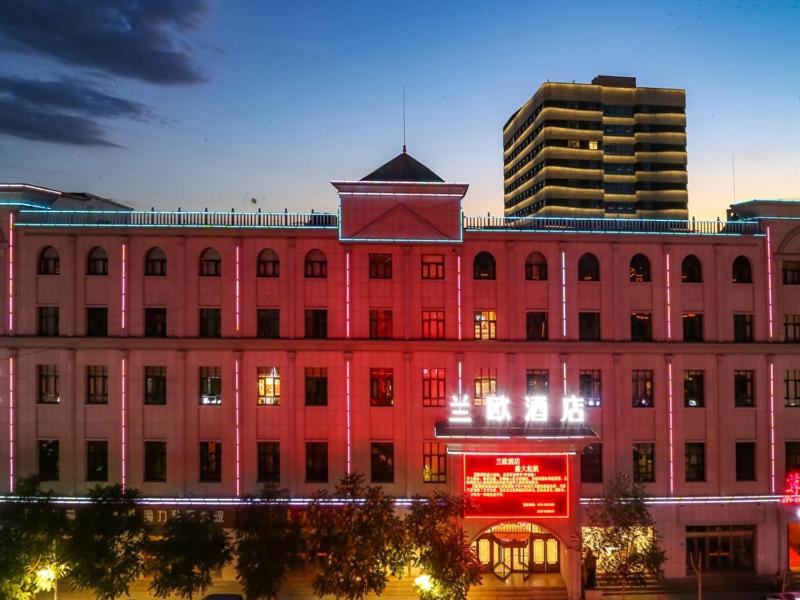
(441, 547)
(268, 545)
(623, 535)
(354, 539)
(193, 546)
(31, 540)
(107, 537)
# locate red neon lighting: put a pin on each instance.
(124, 294)
(237, 427)
(563, 294)
(10, 425)
(10, 272)
(791, 495)
(669, 301)
(347, 294)
(517, 485)
(347, 415)
(769, 284)
(671, 430)
(772, 484)
(458, 295)
(238, 290)
(123, 425)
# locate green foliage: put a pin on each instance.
(104, 549)
(441, 547)
(268, 545)
(192, 547)
(623, 535)
(31, 536)
(355, 542)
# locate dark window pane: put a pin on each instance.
(745, 461)
(155, 322)
(644, 470)
(155, 461)
(380, 266)
(48, 455)
(269, 462)
(210, 322)
(592, 464)
(269, 323)
(210, 461)
(316, 462)
(97, 461)
(382, 462)
(316, 386)
(695, 461)
(97, 321)
(536, 326)
(316, 323)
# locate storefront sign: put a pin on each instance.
(517, 485)
(791, 495)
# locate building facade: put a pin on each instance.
(605, 149)
(200, 355)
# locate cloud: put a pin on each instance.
(137, 39)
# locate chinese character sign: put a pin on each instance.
(792, 493)
(459, 410)
(535, 409)
(497, 409)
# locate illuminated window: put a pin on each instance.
(268, 264)
(210, 386)
(155, 321)
(792, 383)
(380, 266)
(268, 323)
(535, 267)
(693, 389)
(210, 461)
(537, 382)
(589, 326)
(210, 263)
(96, 384)
(210, 323)
(97, 460)
(155, 461)
(485, 385)
(745, 461)
(741, 271)
(594, 145)
(49, 262)
(592, 464)
(316, 265)
(47, 321)
(433, 324)
(48, 452)
(644, 462)
(791, 328)
(269, 386)
(96, 321)
(695, 461)
(382, 462)
(433, 387)
(640, 269)
(380, 324)
(588, 268)
(434, 462)
(641, 327)
(316, 462)
(269, 462)
(483, 267)
(692, 327)
(155, 385)
(691, 270)
(642, 388)
(316, 386)
(381, 387)
(485, 325)
(743, 328)
(743, 388)
(155, 263)
(316, 323)
(590, 383)
(536, 326)
(433, 266)
(97, 262)
(48, 383)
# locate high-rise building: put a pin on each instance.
(608, 148)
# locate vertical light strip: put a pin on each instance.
(771, 427)
(564, 375)
(123, 423)
(348, 431)
(460, 379)
(669, 300)
(347, 294)
(10, 272)
(670, 430)
(769, 285)
(237, 424)
(458, 295)
(238, 292)
(124, 291)
(563, 294)
(11, 425)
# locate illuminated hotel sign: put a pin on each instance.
(498, 410)
(517, 485)
(791, 495)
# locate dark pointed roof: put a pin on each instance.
(403, 168)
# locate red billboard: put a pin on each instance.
(517, 485)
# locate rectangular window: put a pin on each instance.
(642, 388)
(641, 327)
(695, 461)
(210, 386)
(210, 322)
(97, 321)
(433, 266)
(743, 388)
(537, 382)
(382, 462)
(316, 323)
(155, 321)
(485, 325)
(720, 548)
(792, 456)
(269, 462)
(380, 324)
(536, 326)
(692, 327)
(380, 266)
(693, 389)
(433, 324)
(381, 386)
(791, 328)
(590, 383)
(791, 272)
(316, 462)
(644, 462)
(268, 323)
(792, 383)
(316, 386)
(745, 461)
(155, 385)
(48, 458)
(434, 462)
(47, 321)
(211, 461)
(269, 386)
(433, 387)
(592, 464)
(96, 384)
(589, 326)
(97, 461)
(485, 385)
(155, 461)
(743, 328)
(47, 386)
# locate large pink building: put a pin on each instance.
(201, 354)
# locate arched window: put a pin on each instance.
(48, 262)
(210, 263)
(691, 270)
(155, 262)
(483, 267)
(742, 272)
(588, 268)
(640, 268)
(97, 262)
(268, 264)
(316, 265)
(536, 267)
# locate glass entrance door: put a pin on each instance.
(521, 548)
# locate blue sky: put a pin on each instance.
(273, 100)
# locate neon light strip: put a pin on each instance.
(10, 272)
(563, 294)
(21, 187)
(458, 301)
(404, 183)
(123, 424)
(428, 194)
(11, 424)
(671, 430)
(124, 295)
(351, 240)
(769, 286)
(460, 378)
(237, 423)
(771, 427)
(347, 294)
(669, 300)
(348, 431)
(238, 294)
(564, 375)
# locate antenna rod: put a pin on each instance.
(404, 119)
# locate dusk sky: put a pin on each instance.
(209, 104)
